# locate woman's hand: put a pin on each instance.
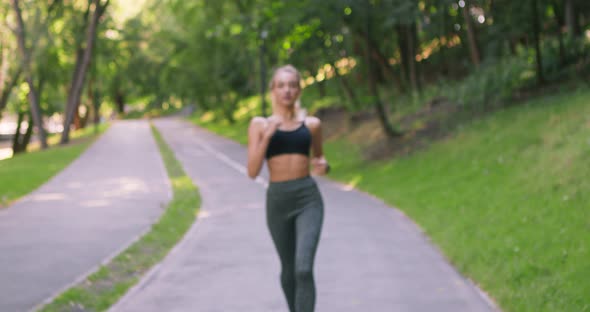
(272, 125)
(259, 133)
(319, 166)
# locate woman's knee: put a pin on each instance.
(287, 275)
(303, 274)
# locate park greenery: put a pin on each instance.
(471, 116)
(79, 59)
(22, 175)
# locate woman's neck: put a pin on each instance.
(285, 113)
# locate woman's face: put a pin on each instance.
(286, 88)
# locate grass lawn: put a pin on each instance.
(506, 197)
(104, 287)
(24, 173)
(237, 132)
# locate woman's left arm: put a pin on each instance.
(318, 161)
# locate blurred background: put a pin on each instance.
(71, 64)
(471, 116)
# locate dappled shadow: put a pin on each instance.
(95, 193)
(429, 124)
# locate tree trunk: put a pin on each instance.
(407, 44)
(346, 86)
(570, 17)
(9, 87)
(16, 137)
(417, 51)
(80, 72)
(93, 97)
(78, 65)
(96, 108)
(80, 120)
(84, 119)
(471, 36)
(90, 94)
(539, 57)
(76, 73)
(350, 92)
(4, 71)
(402, 44)
(559, 19)
(385, 69)
(562, 56)
(33, 98)
(120, 101)
(28, 134)
(322, 88)
(4, 65)
(512, 43)
(372, 84)
(77, 122)
(443, 34)
(410, 33)
(92, 111)
(20, 142)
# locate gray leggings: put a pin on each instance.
(294, 215)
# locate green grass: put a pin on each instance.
(237, 132)
(506, 198)
(104, 287)
(24, 173)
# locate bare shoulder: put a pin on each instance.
(258, 122)
(312, 122)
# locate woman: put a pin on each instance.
(294, 206)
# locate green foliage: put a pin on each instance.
(496, 81)
(210, 52)
(491, 84)
(558, 66)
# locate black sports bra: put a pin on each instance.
(297, 141)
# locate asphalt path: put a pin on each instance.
(83, 216)
(371, 257)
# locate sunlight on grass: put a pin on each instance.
(53, 139)
(206, 117)
(24, 173)
(237, 131)
(353, 183)
(248, 108)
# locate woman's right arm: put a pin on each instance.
(258, 139)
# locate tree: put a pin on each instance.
(536, 38)
(26, 56)
(82, 62)
(472, 38)
(372, 83)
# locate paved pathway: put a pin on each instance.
(82, 216)
(370, 257)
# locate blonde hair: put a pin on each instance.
(299, 111)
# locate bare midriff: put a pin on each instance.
(288, 167)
